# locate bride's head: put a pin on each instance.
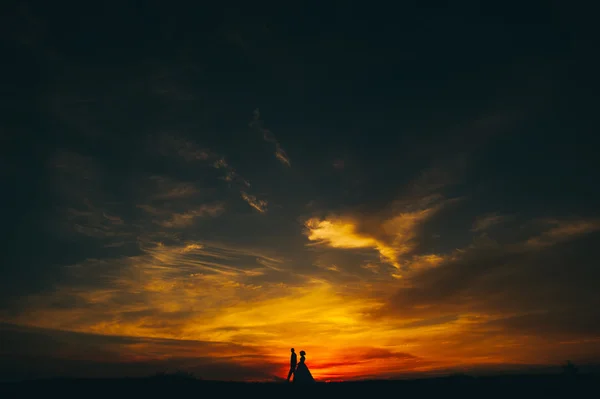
(302, 353)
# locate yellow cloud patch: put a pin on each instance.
(392, 238)
(343, 234)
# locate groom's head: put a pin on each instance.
(292, 350)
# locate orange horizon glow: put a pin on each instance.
(251, 316)
(341, 341)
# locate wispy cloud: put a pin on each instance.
(169, 189)
(339, 164)
(84, 207)
(269, 137)
(174, 204)
(191, 152)
(258, 204)
(563, 230)
(437, 177)
(486, 221)
(114, 219)
(185, 219)
(230, 173)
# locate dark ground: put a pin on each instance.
(531, 386)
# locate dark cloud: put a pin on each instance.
(545, 292)
(41, 353)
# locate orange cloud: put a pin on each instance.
(343, 234)
(392, 238)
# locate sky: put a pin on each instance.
(397, 191)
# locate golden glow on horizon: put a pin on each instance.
(187, 293)
(366, 292)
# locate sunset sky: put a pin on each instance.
(395, 191)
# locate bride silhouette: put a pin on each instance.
(303, 375)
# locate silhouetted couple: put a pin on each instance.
(300, 371)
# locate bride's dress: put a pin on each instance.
(302, 374)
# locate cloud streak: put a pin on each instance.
(188, 218)
(190, 152)
(563, 230)
(269, 137)
(484, 222)
(258, 204)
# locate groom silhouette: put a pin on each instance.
(293, 361)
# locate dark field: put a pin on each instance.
(538, 386)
